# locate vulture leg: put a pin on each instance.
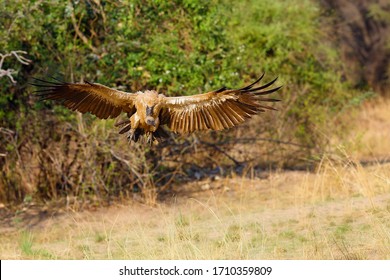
(149, 138)
(135, 132)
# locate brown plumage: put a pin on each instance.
(149, 110)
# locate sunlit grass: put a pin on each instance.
(369, 138)
(338, 212)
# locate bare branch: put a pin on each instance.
(21, 58)
(129, 165)
(9, 72)
(80, 34)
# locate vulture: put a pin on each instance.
(147, 111)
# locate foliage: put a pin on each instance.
(292, 43)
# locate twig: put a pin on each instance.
(139, 176)
(9, 72)
(7, 131)
(80, 34)
(21, 58)
(236, 162)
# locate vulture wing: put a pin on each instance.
(95, 98)
(217, 110)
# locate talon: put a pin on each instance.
(150, 139)
(131, 135)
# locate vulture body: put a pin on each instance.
(147, 111)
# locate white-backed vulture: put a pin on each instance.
(149, 110)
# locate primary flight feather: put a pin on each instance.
(147, 111)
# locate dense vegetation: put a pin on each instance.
(178, 47)
(362, 33)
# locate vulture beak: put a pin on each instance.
(150, 121)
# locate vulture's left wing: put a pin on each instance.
(217, 110)
(102, 101)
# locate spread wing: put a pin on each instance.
(97, 99)
(217, 110)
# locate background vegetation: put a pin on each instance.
(178, 47)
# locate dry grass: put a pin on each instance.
(341, 211)
(337, 213)
(369, 140)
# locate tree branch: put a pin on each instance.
(80, 34)
(9, 72)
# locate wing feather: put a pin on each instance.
(85, 103)
(99, 108)
(198, 121)
(215, 117)
(191, 121)
(97, 99)
(106, 111)
(231, 115)
(224, 118)
(207, 119)
(187, 121)
(217, 110)
(235, 112)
